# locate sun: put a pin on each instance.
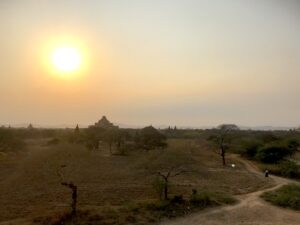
(66, 59)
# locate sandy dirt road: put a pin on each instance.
(251, 209)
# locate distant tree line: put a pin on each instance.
(10, 141)
(119, 139)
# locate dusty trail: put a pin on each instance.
(251, 209)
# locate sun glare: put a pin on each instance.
(66, 59)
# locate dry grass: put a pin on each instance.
(30, 185)
(297, 156)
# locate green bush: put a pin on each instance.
(289, 169)
(293, 144)
(251, 148)
(158, 205)
(272, 153)
(178, 205)
(164, 209)
(159, 185)
(287, 196)
(201, 200)
(205, 199)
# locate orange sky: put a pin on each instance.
(184, 63)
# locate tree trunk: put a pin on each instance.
(74, 200)
(110, 147)
(223, 158)
(222, 147)
(166, 189)
(166, 192)
(74, 196)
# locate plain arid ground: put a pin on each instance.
(30, 183)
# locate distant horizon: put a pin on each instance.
(138, 126)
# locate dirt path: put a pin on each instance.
(251, 209)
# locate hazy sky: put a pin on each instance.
(160, 62)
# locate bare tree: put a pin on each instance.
(74, 196)
(168, 173)
(166, 165)
(222, 139)
(76, 129)
(71, 186)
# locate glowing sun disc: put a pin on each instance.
(66, 59)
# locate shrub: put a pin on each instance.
(177, 199)
(159, 185)
(289, 169)
(272, 153)
(205, 199)
(53, 141)
(201, 200)
(268, 137)
(157, 205)
(293, 144)
(164, 209)
(251, 149)
(287, 196)
(9, 141)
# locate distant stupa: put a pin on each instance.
(105, 123)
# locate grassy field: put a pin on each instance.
(287, 196)
(30, 182)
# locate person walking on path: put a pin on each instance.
(266, 173)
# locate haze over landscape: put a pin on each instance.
(184, 63)
(157, 112)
